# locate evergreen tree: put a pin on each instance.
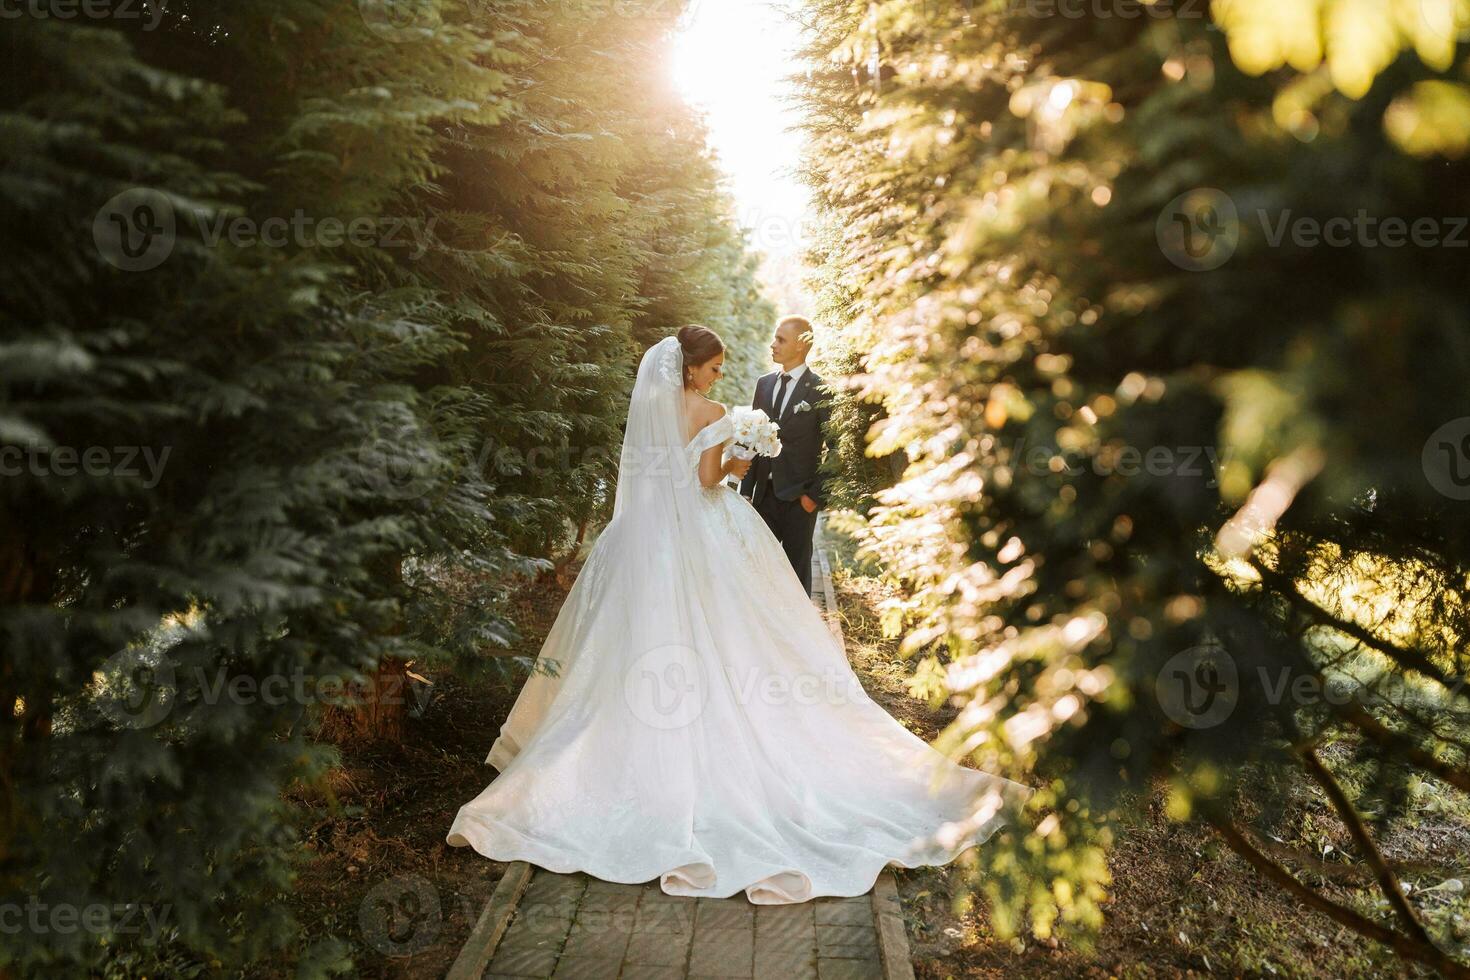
(1159, 458)
(181, 308)
(288, 287)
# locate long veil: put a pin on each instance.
(650, 476)
(633, 591)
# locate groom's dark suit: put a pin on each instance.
(776, 486)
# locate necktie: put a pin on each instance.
(781, 393)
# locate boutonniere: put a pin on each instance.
(801, 406)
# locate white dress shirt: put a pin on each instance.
(795, 374)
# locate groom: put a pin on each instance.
(788, 490)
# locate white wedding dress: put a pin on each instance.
(702, 725)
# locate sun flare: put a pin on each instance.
(732, 60)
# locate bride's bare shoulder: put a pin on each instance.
(709, 410)
(700, 413)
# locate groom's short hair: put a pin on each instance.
(803, 326)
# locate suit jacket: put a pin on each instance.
(797, 470)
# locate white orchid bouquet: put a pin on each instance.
(755, 434)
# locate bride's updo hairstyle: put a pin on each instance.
(699, 345)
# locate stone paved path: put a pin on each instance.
(572, 926)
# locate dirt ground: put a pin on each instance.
(381, 877)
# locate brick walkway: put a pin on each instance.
(577, 927)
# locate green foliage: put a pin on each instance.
(1026, 209)
(377, 370)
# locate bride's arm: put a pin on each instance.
(712, 470)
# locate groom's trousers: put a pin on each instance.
(792, 526)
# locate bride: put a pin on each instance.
(693, 720)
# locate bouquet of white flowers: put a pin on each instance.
(755, 434)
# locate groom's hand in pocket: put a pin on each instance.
(808, 504)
